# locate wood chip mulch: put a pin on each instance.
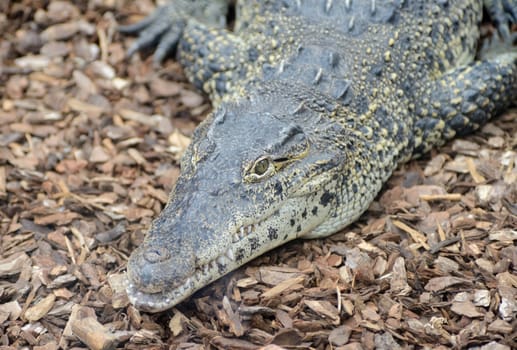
(89, 149)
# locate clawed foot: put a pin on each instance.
(504, 14)
(164, 28)
(497, 45)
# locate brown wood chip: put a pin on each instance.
(283, 286)
(90, 146)
(325, 309)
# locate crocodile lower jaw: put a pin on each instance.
(155, 302)
(203, 275)
(238, 251)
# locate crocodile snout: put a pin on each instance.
(153, 269)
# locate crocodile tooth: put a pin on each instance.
(241, 235)
(220, 116)
(229, 254)
(221, 260)
(250, 229)
(373, 9)
(281, 68)
(333, 59)
(235, 238)
(328, 5)
(317, 78)
(348, 3)
(351, 23)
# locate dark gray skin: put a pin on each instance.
(301, 143)
(315, 104)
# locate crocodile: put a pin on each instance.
(315, 103)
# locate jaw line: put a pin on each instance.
(208, 273)
(156, 302)
(203, 275)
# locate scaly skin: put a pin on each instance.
(315, 104)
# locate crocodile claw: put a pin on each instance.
(164, 27)
(504, 14)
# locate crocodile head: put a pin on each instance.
(258, 173)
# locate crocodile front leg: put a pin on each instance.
(464, 99)
(166, 25)
(214, 59)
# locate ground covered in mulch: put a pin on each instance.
(89, 149)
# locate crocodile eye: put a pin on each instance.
(262, 166)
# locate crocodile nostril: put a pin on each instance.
(157, 255)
